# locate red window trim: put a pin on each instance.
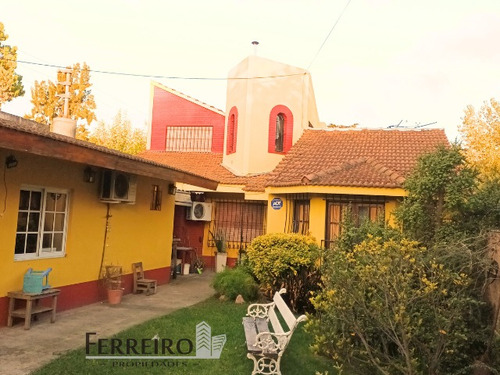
(287, 129)
(232, 131)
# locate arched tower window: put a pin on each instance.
(280, 130)
(232, 131)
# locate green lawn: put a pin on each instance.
(223, 317)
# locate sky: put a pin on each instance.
(386, 62)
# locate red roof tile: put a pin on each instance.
(364, 158)
(364, 171)
(204, 164)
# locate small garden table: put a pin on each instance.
(31, 308)
(185, 253)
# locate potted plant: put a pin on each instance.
(113, 282)
(220, 244)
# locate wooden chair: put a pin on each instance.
(140, 283)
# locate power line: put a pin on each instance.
(328, 36)
(158, 76)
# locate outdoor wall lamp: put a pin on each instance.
(11, 161)
(172, 189)
(89, 175)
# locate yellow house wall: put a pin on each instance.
(209, 251)
(317, 220)
(390, 206)
(135, 232)
(317, 215)
(276, 219)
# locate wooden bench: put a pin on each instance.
(266, 342)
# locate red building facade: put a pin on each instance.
(181, 123)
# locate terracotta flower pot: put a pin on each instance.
(115, 296)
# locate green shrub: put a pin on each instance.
(287, 260)
(413, 303)
(234, 281)
(394, 307)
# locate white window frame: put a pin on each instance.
(42, 253)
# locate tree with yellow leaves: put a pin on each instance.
(119, 136)
(10, 83)
(47, 103)
(481, 132)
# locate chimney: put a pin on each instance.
(255, 44)
(65, 125)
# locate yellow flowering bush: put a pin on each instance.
(286, 260)
(391, 306)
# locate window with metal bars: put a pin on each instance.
(301, 210)
(155, 198)
(189, 138)
(361, 209)
(297, 212)
(239, 221)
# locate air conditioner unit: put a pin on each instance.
(118, 187)
(200, 211)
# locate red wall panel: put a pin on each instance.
(82, 294)
(190, 232)
(172, 110)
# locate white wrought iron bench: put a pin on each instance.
(266, 342)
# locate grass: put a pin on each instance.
(223, 317)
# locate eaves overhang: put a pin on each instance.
(343, 190)
(18, 134)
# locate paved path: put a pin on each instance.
(24, 351)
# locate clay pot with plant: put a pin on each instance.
(113, 283)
